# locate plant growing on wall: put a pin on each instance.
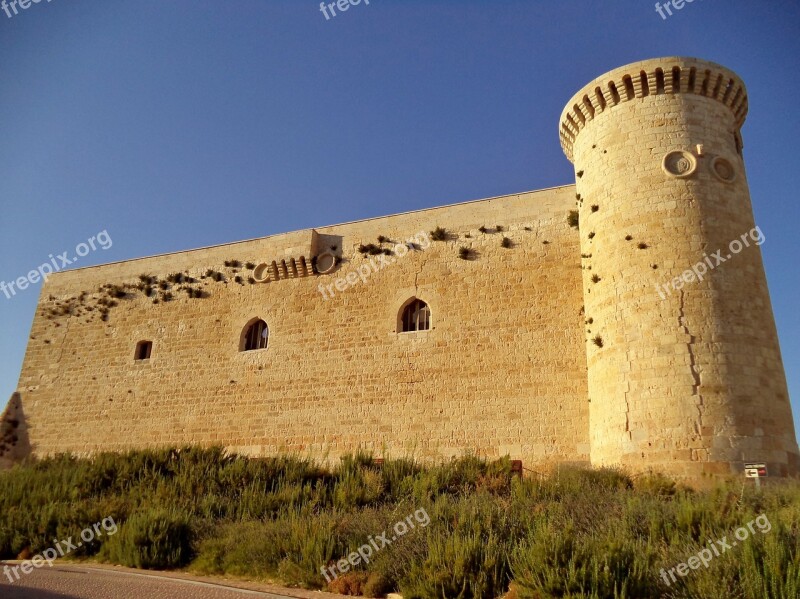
(370, 248)
(439, 234)
(194, 293)
(573, 219)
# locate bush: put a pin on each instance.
(572, 219)
(558, 562)
(657, 485)
(151, 540)
(377, 585)
(468, 566)
(352, 583)
(439, 234)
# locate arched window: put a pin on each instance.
(256, 336)
(416, 316)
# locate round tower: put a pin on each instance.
(684, 366)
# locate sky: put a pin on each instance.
(182, 124)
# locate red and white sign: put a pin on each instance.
(755, 470)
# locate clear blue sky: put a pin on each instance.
(180, 124)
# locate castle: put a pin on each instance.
(533, 325)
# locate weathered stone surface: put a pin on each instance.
(689, 380)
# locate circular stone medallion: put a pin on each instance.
(261, 273)
(723, 169)
(679, 163)
(326, 262)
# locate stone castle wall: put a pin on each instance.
(502, 370)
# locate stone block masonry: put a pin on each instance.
(501, 370)
(692, 384)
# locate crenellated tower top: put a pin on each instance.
(656, 76)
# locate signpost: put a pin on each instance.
(756, 471)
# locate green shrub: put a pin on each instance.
(558, 562)
(293, 547)
(151, 540)
(656, 484)
(377, 585)
(439, 234)
(464, 565)
(572, 219)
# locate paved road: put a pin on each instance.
(88, 583)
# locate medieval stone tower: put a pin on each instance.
(689, 377)
(641, 335)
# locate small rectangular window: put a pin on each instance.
(143, 349)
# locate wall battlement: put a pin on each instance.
(661, 76)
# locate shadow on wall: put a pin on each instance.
(14, 442)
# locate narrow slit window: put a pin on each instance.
(143, 350)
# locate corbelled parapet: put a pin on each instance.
(659, 76)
